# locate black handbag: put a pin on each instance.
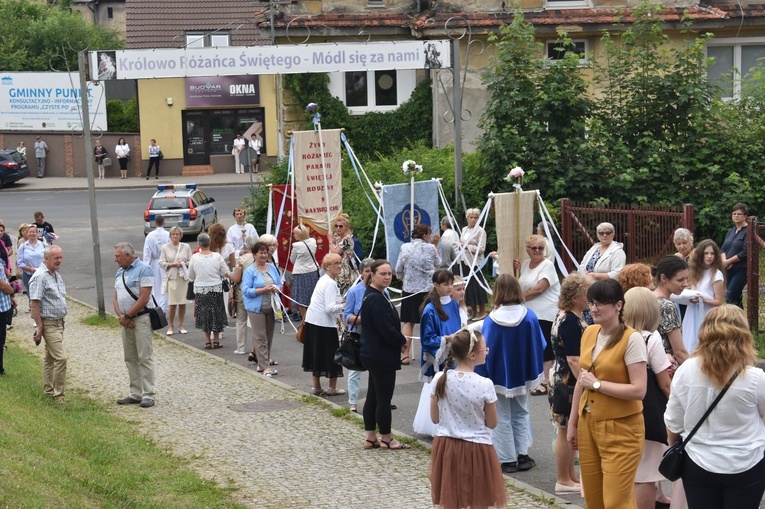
(160, 155)
(190, 291)
(654, 406)
(671, 465)
(226, 285)
(156, 314)
(348, 355)
(561, 395)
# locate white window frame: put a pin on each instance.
(582, 61)
(737, 44)
(199, 39)
(554, 5)
(406, 82)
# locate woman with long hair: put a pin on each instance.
(606, 420)
(707, 282)
(671, 279)
(122, 151)
(724, 464)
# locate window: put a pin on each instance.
(556, 50)
(733, 62)
(566, 4)
(207, 40)
(109, 12)
(375, 3)
(365, 91)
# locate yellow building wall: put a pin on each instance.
(163, 122)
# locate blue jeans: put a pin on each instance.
(512, 436)
(736, 282)
(354, 386)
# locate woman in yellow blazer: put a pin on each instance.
(606, 421)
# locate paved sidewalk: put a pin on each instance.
(276, 446)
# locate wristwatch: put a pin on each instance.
(596, 386)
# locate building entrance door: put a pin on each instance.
(196, 143)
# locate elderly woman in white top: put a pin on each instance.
(245, 259)
(473, 240)
(172, 259)
(207, 269)
(541, 289)
(416, 263)
(606, 258)
(305, 268)
(320, 335)
(724, 464)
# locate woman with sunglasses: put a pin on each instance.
(343, 245)
(606, 421)
(605, 258)
(541, 289)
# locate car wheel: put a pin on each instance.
(215, 217)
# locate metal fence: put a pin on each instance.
(645, 230)
(755, 288)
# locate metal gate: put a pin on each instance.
(646, 231)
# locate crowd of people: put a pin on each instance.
(629, 356)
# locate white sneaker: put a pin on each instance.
(239, 352)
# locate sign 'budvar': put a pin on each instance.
(256, 60)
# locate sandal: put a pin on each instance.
(208, 346)
(405, 360)
(317, 391)
(371, 444)
(216, 344)
(334, 392)
(539, 391)
(398, 447)
(273, 363)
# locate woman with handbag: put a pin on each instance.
(261, 284)
(100, 153)
(320, 339)
(207, 269)
(641, 312)
(381, 347)
(352, 317)
(606, 420)
(724, 464)
(305, 269)
(174, 257)
(566, 336)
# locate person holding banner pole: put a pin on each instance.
(343, 245)
(473, 242)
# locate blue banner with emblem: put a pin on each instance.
(397, 211)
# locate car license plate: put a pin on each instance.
(183, 224)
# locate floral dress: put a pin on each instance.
(347, 274)
(566, 334)
(669, 320)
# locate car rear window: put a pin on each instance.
(169, 203)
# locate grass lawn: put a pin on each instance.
(78, 455)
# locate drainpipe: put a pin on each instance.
(92, 5)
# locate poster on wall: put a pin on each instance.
(222, 91)
(318, 177)
(48, 101)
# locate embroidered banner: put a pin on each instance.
(318, 177)
(396, 211)
(514, 214)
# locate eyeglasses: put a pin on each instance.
(603, 234)
(595, 304)
(482, 350)
(536, 248)
(738, 214)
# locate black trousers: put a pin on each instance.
(5, 318)
(379, 395)
(705, 490)
(153, 161)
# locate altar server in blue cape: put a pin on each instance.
(515, 365)
(439, 322)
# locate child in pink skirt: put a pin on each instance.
(464, 467)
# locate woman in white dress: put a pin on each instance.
(239, 145)
(707, 289)
(473, 243)
(174, 260)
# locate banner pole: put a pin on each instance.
(411, 208)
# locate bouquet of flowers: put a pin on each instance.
(515, 175)
(411, 168)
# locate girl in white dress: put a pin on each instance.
(464, 467)
(707, 289)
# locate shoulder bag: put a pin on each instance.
(318, 269)
(654, 406)
(156, 314)
(671, 465)
(348, 355)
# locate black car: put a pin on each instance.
(13, 167)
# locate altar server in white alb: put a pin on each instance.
(152, 251)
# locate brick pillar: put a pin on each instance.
(68, 155)
(135, 155)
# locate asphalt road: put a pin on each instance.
(120, 218)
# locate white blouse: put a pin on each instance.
(303, 256)
(326, 304)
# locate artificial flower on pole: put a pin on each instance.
(411, 169)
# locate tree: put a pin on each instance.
(38, 36)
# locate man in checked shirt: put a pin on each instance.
(47, 295)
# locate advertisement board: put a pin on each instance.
(254, 60)
(48, 101)
(222, 91)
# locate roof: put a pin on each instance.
(434, 20)
(152, 24)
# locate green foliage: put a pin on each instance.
(372, 133)
(123, 117)
(38, 36)
(655, 132)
